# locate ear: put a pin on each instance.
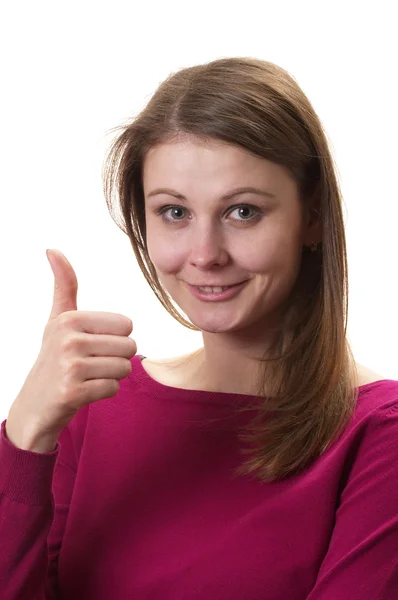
(312, 224)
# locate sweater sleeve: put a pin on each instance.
(362, 559)
(35, 493)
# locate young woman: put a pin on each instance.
(127, 477)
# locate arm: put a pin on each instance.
(35, 493)
(362, 558)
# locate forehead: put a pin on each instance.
(215, 163)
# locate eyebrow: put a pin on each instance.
(228, 196)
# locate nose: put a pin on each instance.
(207, 247)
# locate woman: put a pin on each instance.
(225, 179)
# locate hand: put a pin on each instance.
(83, 357)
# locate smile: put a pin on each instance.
(217, 293)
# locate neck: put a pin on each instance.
(227, 370)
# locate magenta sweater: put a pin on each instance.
(138, 502)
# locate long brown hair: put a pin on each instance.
(259, 106)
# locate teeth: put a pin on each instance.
(214, 289)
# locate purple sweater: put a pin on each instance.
(138, 502)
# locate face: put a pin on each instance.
(204, 239)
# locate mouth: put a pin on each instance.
(215, 288)
(217, 293)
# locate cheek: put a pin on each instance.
(164, 251)
(276, 273)
(167, 257)
(262, 255)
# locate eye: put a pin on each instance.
(246, 207)
(240, 207)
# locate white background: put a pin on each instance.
(71, 71)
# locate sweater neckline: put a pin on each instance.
(152, 386)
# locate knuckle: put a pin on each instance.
(76, 367)
(67, 393)
(71, 343)
(65, 319)
(72, 393)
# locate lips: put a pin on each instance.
(216, 296)
(217, 284)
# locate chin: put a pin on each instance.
(215, 325)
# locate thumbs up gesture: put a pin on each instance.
(84, 355)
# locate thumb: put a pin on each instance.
(65, 284)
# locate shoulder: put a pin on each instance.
(172, 371)
(367, 375)
(378, 395)
(172, 362)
